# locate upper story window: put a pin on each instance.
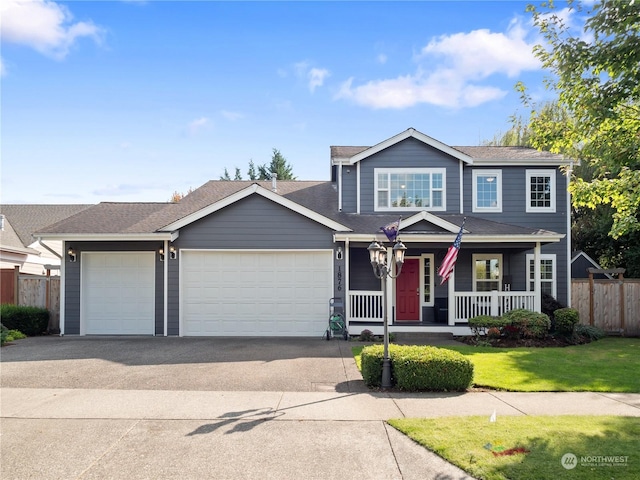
(487, 190)
(409, 189)
(541, 188)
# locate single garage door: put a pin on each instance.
(118, 293)
(265, 293)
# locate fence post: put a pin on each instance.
(591, 292)
(622, 302)
(16, 283)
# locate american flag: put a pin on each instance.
(450, 258)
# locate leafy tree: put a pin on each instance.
(176, 196)
(597, 78)
(519, 135)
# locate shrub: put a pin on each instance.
(366, 336)
(549, 306)
(566, 321)
(494, 332)
(480, 324)
(4, 334)
(530, 324)
(589, 332)
(371, 363)
(29, 320)
(418, 367)
(430, 368)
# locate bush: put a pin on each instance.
(549, 306)
(480, 324)
(589, 332)
(366, 336)
(566, 321)
(29, 320)
(418, 367)
(430, 368)
(4, 334)
(530, 324)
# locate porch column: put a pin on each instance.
(165, 288)
(537, 299)
(451, 300)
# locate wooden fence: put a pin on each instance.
(34, 291)
(612, 305)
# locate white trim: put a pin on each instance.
(250, 190)
(474, 187)
(431, 218)
(165, 300)
(461, 191)
(358, 188)
(92, 237)
(543, 256)
(410, 171)
(63, 283)
(540, 173)
(486, 256)
(432, 274)
(440, 238)
(410, 133)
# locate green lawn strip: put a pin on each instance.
(607, 365)
(488, 450)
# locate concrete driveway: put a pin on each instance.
(174, 363)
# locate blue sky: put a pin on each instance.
(130, 101)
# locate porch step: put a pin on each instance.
(422, 338)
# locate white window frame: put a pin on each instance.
(487, 256)
(553, 281)
(389, 171)
(487, 173)
(541, 173)
(432, 285)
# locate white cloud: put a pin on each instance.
(44, 26)
(3, 70)
(316, 77)
(452, 71)
(382, 58)
(195, 126)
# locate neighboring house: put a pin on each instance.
(581, 263)
(238, 258)
(18, 248)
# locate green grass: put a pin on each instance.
(468, 442)
(607, 365)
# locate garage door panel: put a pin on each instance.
(255, 293)
(118, 293)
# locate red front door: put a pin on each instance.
(408, 291)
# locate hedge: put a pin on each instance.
(566, 320)
(480, 324)
(31, 321)
(418, 368)
(529, 324)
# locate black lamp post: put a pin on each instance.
(382, 268)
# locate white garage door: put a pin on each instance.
(118, 293)
(283, 293)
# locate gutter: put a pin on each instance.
(47, 247)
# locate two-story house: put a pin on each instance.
(236, 258)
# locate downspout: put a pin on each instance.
(47, 247)
(569, 246)
(63, 277)
(166, 287)
(461, 187)
(537, 298)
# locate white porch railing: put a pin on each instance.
(471, 304)
(365, 306)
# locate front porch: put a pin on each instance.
(365, 310)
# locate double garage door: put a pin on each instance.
(255, 293)
(239, 293)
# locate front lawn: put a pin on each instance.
(607, 365)
(531, 448)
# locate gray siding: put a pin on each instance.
(410, 153)
(72, 280)
(349, 189)
(251, 223)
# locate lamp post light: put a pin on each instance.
(383, 268)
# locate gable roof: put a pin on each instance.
(27, 219)
(483, 155)
(140, 221)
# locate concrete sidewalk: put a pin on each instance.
(136, 434)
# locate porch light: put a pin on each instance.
(173, 254)
(161, 254)
(382, 269)
(72, 254)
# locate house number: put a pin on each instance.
(339, 278)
